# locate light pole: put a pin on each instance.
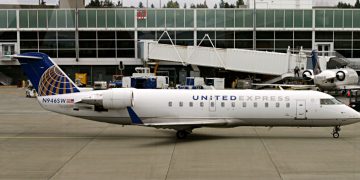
(254, 26)
(76, 31)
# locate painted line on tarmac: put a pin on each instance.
(44, 137)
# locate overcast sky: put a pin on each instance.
(157, 2)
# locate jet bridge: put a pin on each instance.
(240, 60)
(259, 62)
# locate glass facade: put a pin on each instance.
(114, 33)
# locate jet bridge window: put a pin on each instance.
(331, 101)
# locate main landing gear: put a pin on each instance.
(335, 132)
(182, 134)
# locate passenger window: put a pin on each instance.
(287, 105)
(212, 104)
(266, 104)
(191, 104)
(222, 104)
(170, 104)
(181, 104)
(255, 104)
(277, 105)
(232, 104)
(201, 104)
(244, 104)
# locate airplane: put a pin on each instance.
(183, 110)
(331, 79)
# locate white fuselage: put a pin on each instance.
(327, 80)
(236, 107)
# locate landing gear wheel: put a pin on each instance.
(182, 134)
(336, 132)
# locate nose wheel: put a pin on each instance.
(335, 132)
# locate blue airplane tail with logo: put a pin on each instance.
(47, 78)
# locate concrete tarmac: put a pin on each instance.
(37, 144)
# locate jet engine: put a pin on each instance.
(308, 75)
(117, 98)
(340, 75)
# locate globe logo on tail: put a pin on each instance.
(54, 81)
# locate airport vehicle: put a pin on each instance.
(354, 101)
(144, 79)
(30, 92)
(183, 110)
(100, 85)
(81, 79)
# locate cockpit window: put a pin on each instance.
(331, 101)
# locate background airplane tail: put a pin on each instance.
(315, 62)
(47, 78)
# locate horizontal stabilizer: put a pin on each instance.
(18, 56)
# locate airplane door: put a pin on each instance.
(300, 109)
(212, 105)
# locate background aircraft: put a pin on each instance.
(331, 79)
(183, 110)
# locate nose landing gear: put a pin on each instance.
(335, 132)
(182, 134)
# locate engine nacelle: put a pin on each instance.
(340, 75)
(308, 75)
(117, 98)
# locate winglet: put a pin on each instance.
(134, 117)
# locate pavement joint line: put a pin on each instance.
(171, 158)
(76, 153)
(268, 153)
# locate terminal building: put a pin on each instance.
(94, 41)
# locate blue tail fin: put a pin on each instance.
(47, 78)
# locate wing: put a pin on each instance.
(179, 123)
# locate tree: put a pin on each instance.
(344, 5)
(184, 5)
(152, 6)
(42, 3)
(222, 4)
(119, 4)
(192, 5)
(141, 5)
(215, 6)
(201, 5)
(107, 3)
(239, 3)
(93, 4)
(357, 4)
(172, 4)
